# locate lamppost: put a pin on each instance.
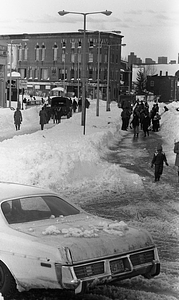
(10, 78)
(62, 13)
(108, 74)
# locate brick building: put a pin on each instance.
(47, 60)
(163, 86)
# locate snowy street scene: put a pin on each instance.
(108, 173)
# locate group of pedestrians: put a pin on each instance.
(140, 117)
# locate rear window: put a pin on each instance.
(36, 208)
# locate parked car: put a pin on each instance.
(64, 103)
(46, 242)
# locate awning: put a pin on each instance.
(14, 75)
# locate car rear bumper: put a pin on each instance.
(84, 276)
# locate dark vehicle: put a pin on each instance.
(64, 103)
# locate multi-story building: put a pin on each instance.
(163, 86)
(133, 59)
(162, 60)
(47, 60)
(149, 61)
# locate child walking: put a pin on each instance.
(158, 160)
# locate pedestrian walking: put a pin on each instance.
(158, 160)
(176, 151)
(17, 118)
(135, 124)
(125, 115)
(43, 117)
(146, 124)
(74, 105)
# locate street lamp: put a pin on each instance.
(108, 75)
(63, 13)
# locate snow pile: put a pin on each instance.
(116, 228)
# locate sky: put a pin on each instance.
(150, 28)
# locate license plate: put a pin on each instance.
(117, 266)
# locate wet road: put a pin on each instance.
(155, 207)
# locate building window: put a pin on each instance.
(152, 83)
(25, 52)
(55, 51)
(35, 73)
(90, 73)
(90, 57)
(72, 73)
(20, 53)
(91, 43)
(30, 73)
(44, 74)
(79, 57)
(59, 74)
(63, 44)
(105, 74)
(73, 44)
(73, 56)
(23, 73)
(37, 53)
(79, 44)
(43, 52)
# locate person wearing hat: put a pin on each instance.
(176, 150)
(158, 160)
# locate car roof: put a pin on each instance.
(10, 190)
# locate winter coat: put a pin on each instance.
(17, 117)
(135, 121)
(43, 116)
(159, 158)
(146, 123)
(176, 150)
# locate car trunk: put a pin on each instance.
(90, 238)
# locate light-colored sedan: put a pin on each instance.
(46, 242)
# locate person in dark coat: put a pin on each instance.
(146, 124)
(125, 115)
(74, 105)
(17, 118)
(156, 122)
(135, 124)
(43, 117)
(158, 160)
(176, 151)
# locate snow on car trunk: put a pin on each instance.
(87, 237)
